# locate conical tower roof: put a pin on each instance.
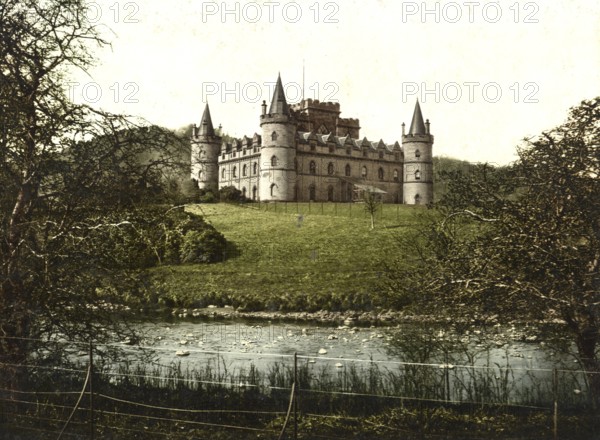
(279, 105)
(417, 126)
(206, 125)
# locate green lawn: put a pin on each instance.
(309, 258)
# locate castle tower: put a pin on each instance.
(278, 150)
(206, 147)
(418, 162)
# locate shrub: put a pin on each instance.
(230, 194)
(204, 246)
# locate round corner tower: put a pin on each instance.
(278, 149)
(418, 161)
(206, 146)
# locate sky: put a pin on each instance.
(487, 74)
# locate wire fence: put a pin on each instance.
(294, 396)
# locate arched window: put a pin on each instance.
(380, 173)
(348, 170)
(274, 136)
(330, 168)
(254, 193)
(254, 168)
(330, 193)
(274, 161)
(245, 170)
(363, 172)
(273, 189)
(244, 192)
(223, 173)
(234, 172)
(417, 199)
(312, 167)
(417, 153)
(312, 192)
(396, 176)
(417, 175)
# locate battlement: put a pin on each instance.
(349, 122)
(316, 104)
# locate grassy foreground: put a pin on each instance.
(291, 257)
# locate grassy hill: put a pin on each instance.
(295, 256)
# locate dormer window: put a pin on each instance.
(332, 148)
(396, 157)
(322, 129)
(313, 145)
(381, 154)
(348, 151)
(365, 152)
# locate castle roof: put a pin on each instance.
(417, 126)
(206, 125)
(279, 105)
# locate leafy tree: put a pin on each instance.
(63, 167)
(522, 241)
(230, 194)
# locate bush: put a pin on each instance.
(202, 246)
(230, 194)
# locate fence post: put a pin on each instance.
(555, 392)
(295, 396)
(91, 390)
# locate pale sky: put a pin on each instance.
(374, 57)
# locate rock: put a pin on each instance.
(322, 351)
(182, 353)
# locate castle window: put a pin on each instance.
(273, 189)
(274, 136)
(381, 154)
(380, 173)
(365, 152)
(417, 199)
(274, 161)
(244, 192)
(396, 178)
(245, 170)
(223, 156)
(348, 150)
(312, 192)
(312, 167)
(330, 193)
(233, 154)
(417, 153)
(234, 172)
(330, 168)
(332, 148)
(223, 173)
(396, 156)
(254, 193)
(363, 172)
(417, 175)
(254, 168)
(348, 170)
(322, 129)
(313, 145)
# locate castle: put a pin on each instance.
(306, 152)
